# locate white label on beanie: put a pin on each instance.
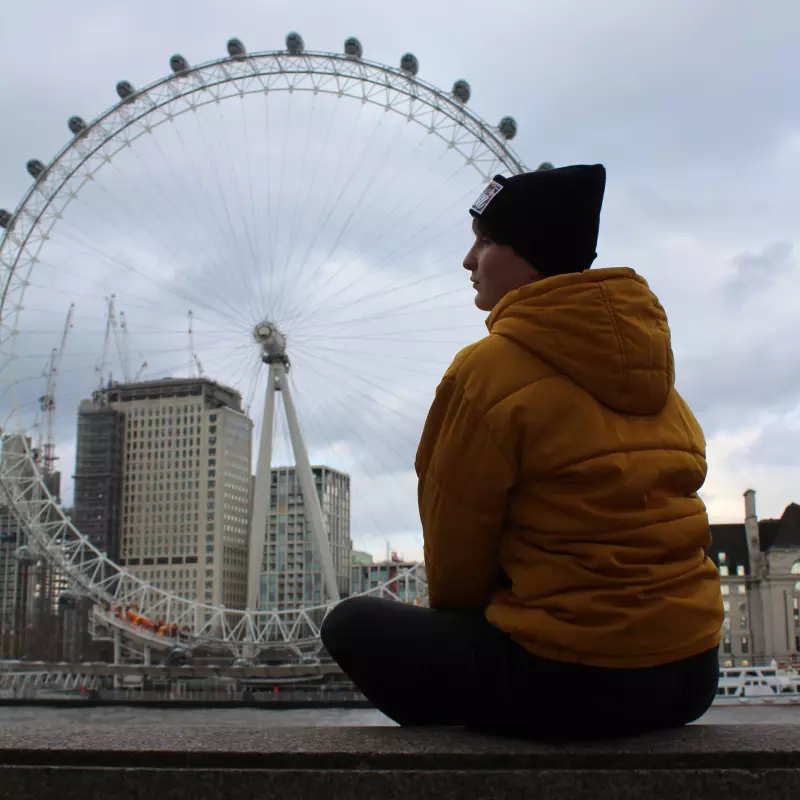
(488, 194)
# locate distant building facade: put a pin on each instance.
(163, 482)
(292, 574)
(29, 585)
(367, 574)
(759, 565)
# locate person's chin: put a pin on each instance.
(480, 303)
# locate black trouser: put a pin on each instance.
(425, 667)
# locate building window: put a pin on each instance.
(725, 588)
(722, 558)
(740, 570)
(741, 588)
(745, 644)
(723, 571)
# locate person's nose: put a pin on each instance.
(470, 261)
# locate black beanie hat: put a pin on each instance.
(551, 217)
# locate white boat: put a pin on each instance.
(758, 686)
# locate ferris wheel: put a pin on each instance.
(229, 220)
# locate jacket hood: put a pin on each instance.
(602, 328)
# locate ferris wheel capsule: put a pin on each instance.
(5, 218)
(76, 125)
(236, 48)
(508, 128)
(178, 64)
(178, 656)
(462, 91)
(409, 63)
(25, 556)
(67, 599)
(295, 44)
(352, 48)
(35, 168)
(544, 166)
(125, 90)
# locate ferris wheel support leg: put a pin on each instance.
(147, 656)
(311, 499)
(261, 498)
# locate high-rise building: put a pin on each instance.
(182, 465)
(98, 475)
(292, 575)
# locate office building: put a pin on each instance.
(164, 468)
(292, 573)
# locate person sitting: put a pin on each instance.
(559, 469)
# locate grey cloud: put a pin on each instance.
(776, 446)
(753, 270)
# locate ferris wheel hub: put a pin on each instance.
(272, 342)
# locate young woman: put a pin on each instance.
(570, 595)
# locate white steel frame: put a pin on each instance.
(440, 113)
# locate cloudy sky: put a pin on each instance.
(349, 226)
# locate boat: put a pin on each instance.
(773, 685)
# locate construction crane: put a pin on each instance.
(123, 346)
(47, 402)
(111, 324)
(194, 361)
(119, 330)
(141, 369)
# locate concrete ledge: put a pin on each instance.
(211, 761)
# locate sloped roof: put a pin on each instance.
(731, 539)
(788, 537)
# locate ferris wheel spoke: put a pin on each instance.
(336, 202)
(327, 204)
(163, 284)
(363, 395)
(206, 222)
(256, 226)
(323, 158)
(188, 242)
(325, 437)
(372, 296)
(334, 407)
(329, 407)
(280, 289)
(381, 358)
(300, 180)
(395, 287)
(240, 197)
(435, 220)
(233, 240)
(255, 375)
(365, 378)
(146, 305)
(348, 221)
(210, 220)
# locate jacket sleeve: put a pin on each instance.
(464, 480)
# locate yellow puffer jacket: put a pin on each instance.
(558, 477)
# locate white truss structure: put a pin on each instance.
(113, 589)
